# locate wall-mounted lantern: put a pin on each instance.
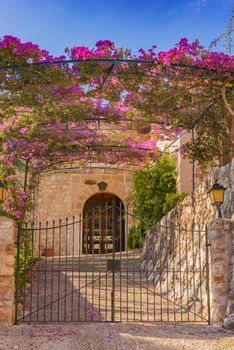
(2, 192)
(102, 186)
(217, 196)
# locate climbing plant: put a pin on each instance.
(107, 105)
(154, 194)
(151, 184)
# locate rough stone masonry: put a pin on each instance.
(7, 280)
(191, 215)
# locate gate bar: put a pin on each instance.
(113, 257)
(208, 277)
(17, 275)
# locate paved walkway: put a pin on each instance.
(80, 289)
(68, 290)
(121, 336)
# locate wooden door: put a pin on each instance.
(97, 227)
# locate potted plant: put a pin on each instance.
(49, 252)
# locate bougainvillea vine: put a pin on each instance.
(107, 105)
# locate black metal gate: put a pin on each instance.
(162, 275)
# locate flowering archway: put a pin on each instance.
(106, 105)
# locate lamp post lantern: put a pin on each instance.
(216, 196)
(2, 192)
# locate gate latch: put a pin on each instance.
(113, 265)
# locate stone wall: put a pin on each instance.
(229, 315)
(186, 246)
(7, 280)
(225, 177)
(220, 257)
(63, 193)
(175, 249)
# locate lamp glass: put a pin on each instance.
(211, 193)
(2, 193)
(218, 196)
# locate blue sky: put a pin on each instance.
(56, 24)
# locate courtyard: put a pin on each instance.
(117, 175)
(80, 289)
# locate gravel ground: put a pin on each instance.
(119, 336)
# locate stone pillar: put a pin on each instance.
(184, 168)
(7, 280)
(219, 232)
(229, 319)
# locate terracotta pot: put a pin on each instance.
(48, 252)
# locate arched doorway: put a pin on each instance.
(98, 215)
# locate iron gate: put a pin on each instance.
(163, 276)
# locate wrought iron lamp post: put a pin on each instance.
(2, 192)
(217, 195)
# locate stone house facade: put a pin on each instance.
(64, 193)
